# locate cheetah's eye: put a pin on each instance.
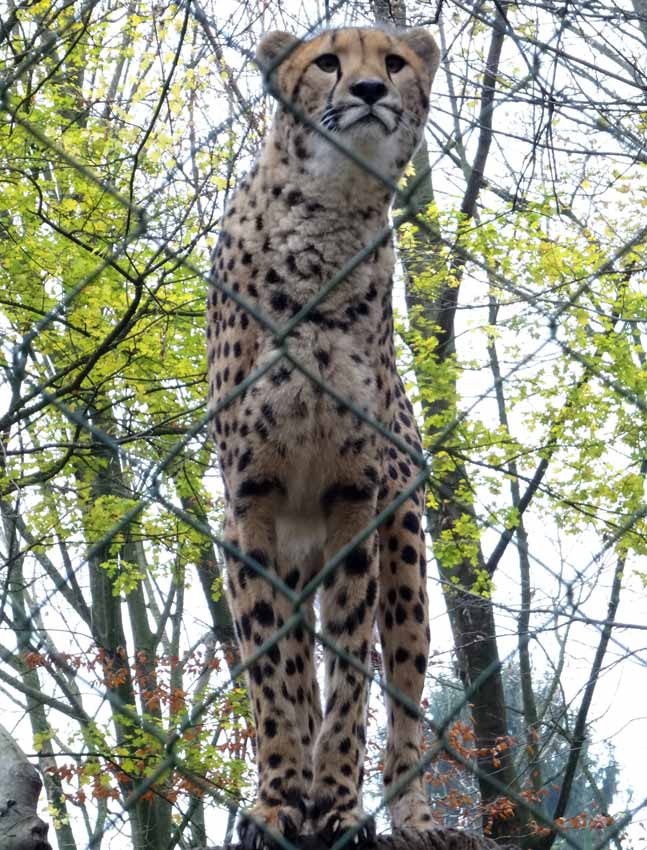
(394, 63)
(328, 62)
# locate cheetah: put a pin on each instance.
(306, 235)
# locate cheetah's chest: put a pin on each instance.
(307, 389)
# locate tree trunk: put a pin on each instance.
(24, 629)
(20, 785)
(640, 8)
(150, 818)
(471, 614)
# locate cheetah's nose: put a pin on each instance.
(370, 91)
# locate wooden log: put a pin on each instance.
(20, 786)
(439, 838)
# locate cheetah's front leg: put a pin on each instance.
(259, 611)
(404, 631)
(348, 604)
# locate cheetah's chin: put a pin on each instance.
(367, 119)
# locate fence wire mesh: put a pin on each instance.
(106, 466)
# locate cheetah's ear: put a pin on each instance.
(272, 47)
(422, 42)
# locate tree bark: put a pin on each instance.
(20, 786)
(640, 8)
(580, 731)
(150, 819)
(471, 615)
(23, 625)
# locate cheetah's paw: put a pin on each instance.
(333, 825)
(411, 812)
(259, 827)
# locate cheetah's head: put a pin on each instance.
(367, 88)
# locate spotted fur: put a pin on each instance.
(305, 475)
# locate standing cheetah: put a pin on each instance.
(304, 474)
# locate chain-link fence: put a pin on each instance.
(108, 509)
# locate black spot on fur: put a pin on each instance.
(270, 728)
(245, 459)
(345, 493)
(279, 302)
(258, 487)
(357, 562)
(409, 555)
(263, 613)
(411, 523)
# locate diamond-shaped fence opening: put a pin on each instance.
(114, 182)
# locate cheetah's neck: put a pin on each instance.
(337, 184)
